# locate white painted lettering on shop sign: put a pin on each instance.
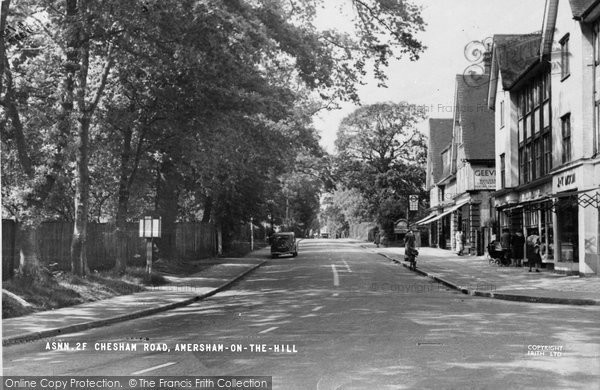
(485, 178)
(565, 181)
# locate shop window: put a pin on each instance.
(597, 125)
(546, 233)
(566, 138)
(568, 225)
(502, 171)
(596, 38)
(565, 70)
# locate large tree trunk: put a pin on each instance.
(29, 264)
(123, 203)
(82, 200)
(81, 44)
(208, 203)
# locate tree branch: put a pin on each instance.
(103, 79)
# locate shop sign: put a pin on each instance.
(401, 226)
(485, 178)
(530, 195)
(565, 181)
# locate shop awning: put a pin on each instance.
(425, 220)
(451, 209)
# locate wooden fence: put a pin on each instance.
(193, 240)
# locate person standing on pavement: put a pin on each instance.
(410, 251)
(459, 242)
(505, 240)
(517, 244)
(533, 250)
(377, 239)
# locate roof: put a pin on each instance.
(476, 118)
(581, 7)
(440, 135)
(513, 54)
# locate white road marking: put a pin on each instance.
(153, 368)
(317, 308)
(347, 266)
(268, 330)
(336, 294)
(336, 278)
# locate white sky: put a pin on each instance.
(451, 25)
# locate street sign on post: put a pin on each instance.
(149, 228)
(413, 201)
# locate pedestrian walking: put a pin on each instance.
(459, 238)
(517, 244)
(377, 239)
(533, 250)
(505, 240)
(410, 251)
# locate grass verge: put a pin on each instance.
(62, 289)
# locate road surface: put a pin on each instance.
(339, 316)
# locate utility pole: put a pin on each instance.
(251, 234)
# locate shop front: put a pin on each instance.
(576, 201)
(531, 212)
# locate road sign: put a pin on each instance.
(414, 202)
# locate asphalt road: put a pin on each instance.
(347, 319)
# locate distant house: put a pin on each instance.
(462, 177)
(440, 136)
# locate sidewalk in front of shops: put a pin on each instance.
(474, 275)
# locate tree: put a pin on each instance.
(382, 155)
(209, 106)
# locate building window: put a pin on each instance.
(502, 171)
(564, 57)
(567, 214)
(535, 146)
(502, 114)
(597, 87)
(597, 126)
(566, 138)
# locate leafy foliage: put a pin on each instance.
(198, 110)
(382, 158)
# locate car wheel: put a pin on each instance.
(295, 254)
(274, 256)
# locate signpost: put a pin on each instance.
(149, 228)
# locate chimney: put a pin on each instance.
(487, 62)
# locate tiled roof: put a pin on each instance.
(514, 54)
(476, 119)
(580, 7)
(440, 134)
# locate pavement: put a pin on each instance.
(474, 275)
(181, 291)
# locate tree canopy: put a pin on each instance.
(382, 158)
(196, 109)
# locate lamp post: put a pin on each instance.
(149, 229)
(251, 234)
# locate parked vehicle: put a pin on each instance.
(325, 235)
(284, 244)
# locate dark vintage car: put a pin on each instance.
(283, 244)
